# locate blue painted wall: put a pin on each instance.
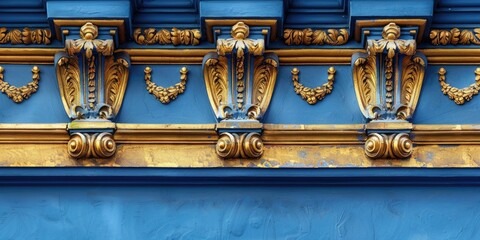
(239, 204)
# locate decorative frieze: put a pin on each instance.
(455, 36)
(308, 36)
(175, 36)
(25, 36)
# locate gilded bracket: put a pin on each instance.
(92, 82)
(165, 95)
(240, 79)
(459, 96)
(312, 95)
(18, 94)
(176, 36)
(455, 36)
(25, 36)
(387, 82)
(308, 36)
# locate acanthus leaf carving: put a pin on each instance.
(365, 83)
(215, 73)
(116, 78)
(455, 36)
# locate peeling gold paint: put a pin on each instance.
(275, 156)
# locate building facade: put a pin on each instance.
(222, 119)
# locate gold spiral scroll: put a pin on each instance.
(246, 145)
(388, 146)
(98, 145)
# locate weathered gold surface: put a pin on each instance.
(25, 36)
(274, 156)
(19, 94)
(312, 95)
(455, 36)
(185, 145)
(166, 95)
(459, 96)
(176, 36)
(308, 36)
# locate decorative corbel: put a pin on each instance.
(92, 82)
(240, 79)
(389, 103)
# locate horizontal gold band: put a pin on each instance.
(273, 134)
(195, 56)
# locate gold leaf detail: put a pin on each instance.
(68, 75)
(165, 95)
(264, 78)
(176, 36)
(312, 95)
(308, 36)
(459, 96)
(18, 94)
(365, 83)
(116, 77)
(412, 79)
(216, 80)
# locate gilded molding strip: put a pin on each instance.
(18, 94)
(25, 36)
(308, 36)
(455, 36)
(176, 36)
(273, 134)
(312, 95)
(166, 95)
(459, 96)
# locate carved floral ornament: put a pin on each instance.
(25, 36)
(459, 96)
(312, 95)
(176, 36)
(165, 95)
(19, 94)
(455, 36)
(395, 102)
(308, 36)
